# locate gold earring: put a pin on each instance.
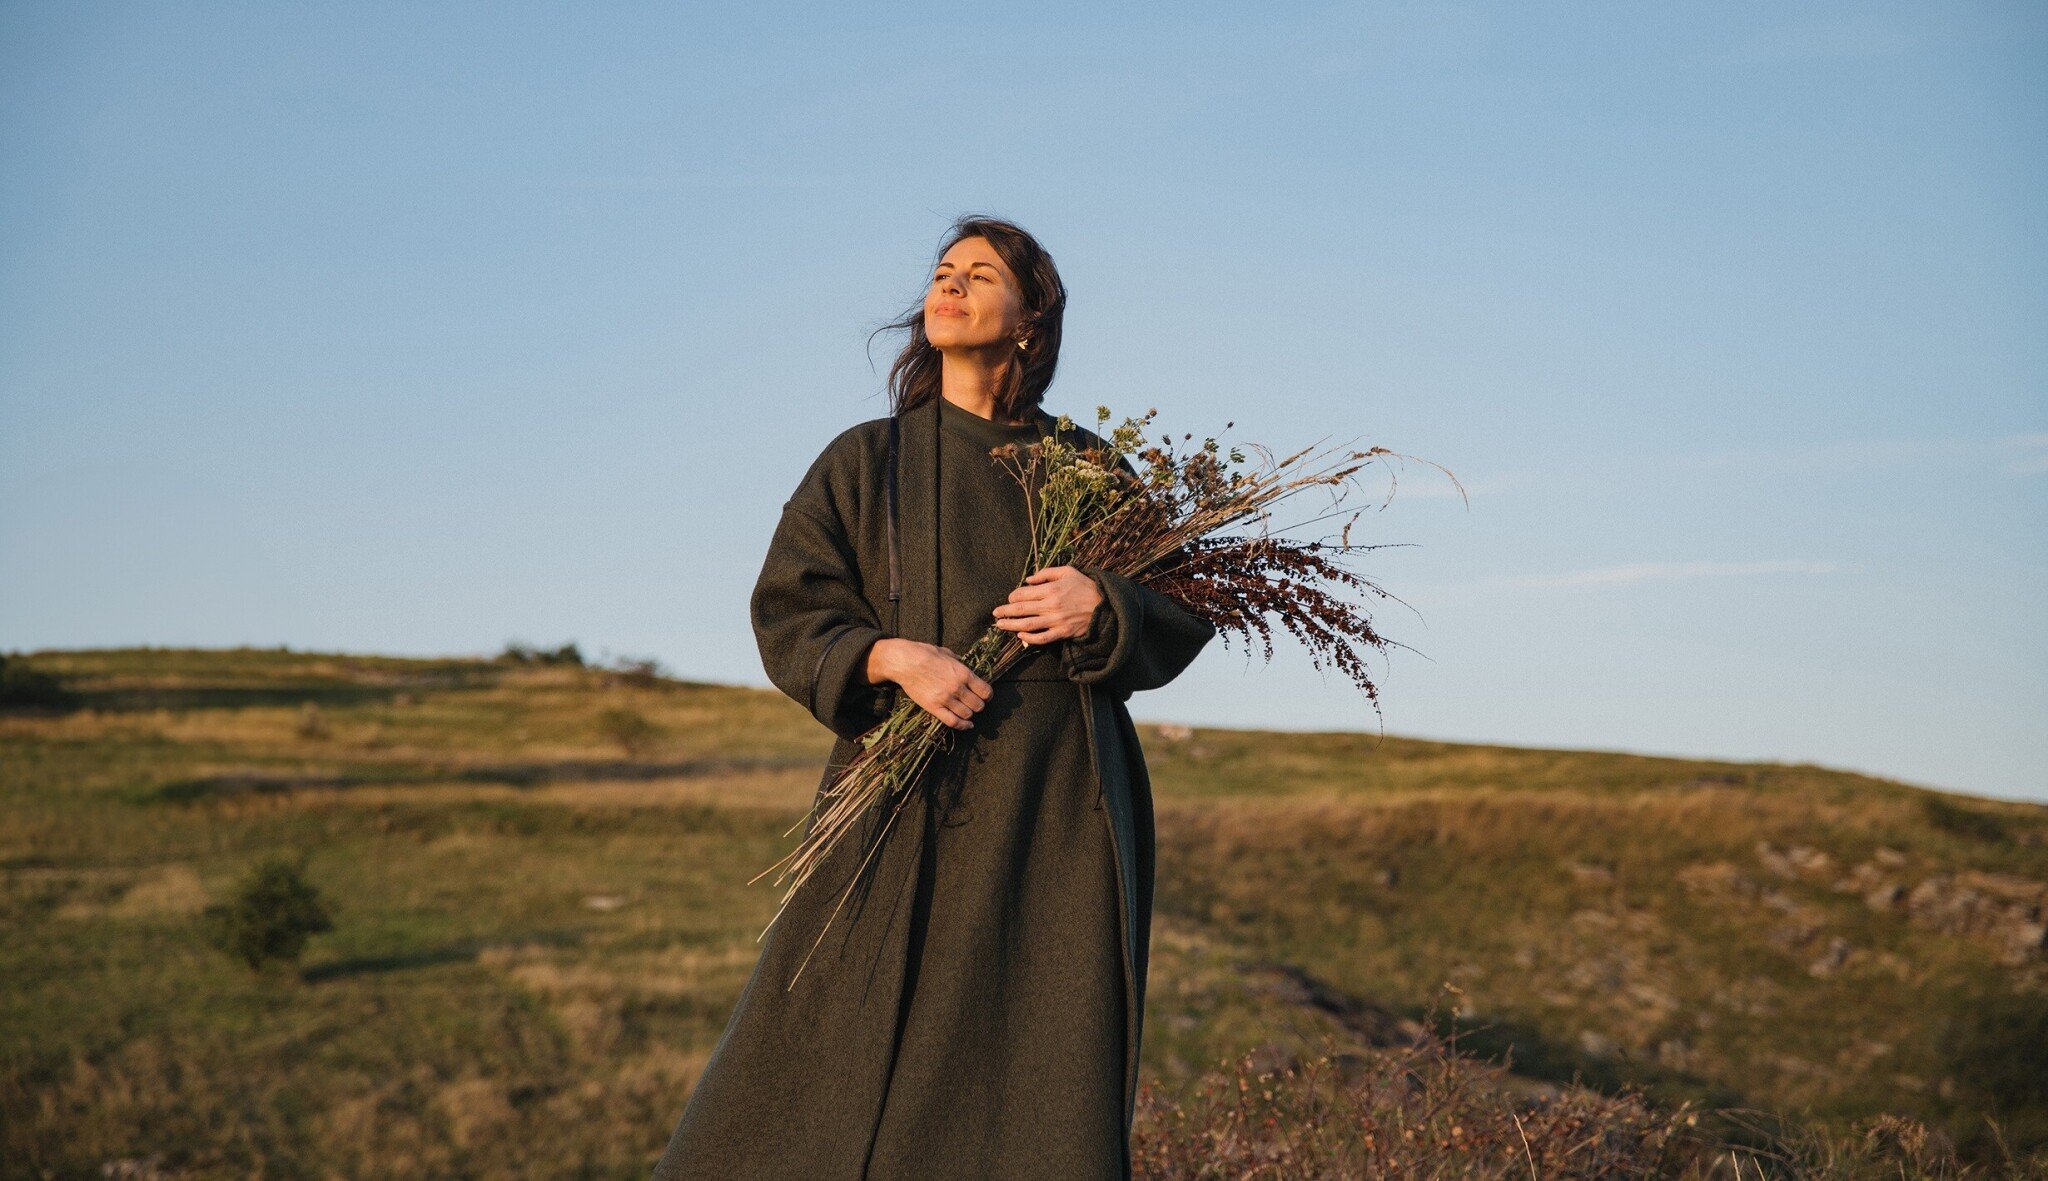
(1020, 344)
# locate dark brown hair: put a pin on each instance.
(914, 377)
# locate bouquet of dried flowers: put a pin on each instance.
(1167, 525)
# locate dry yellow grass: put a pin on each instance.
(539, 937)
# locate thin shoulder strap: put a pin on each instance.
(895, 579)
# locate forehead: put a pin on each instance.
(968, 251)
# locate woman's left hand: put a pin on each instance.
(1053, 604)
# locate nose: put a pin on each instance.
(950, 284)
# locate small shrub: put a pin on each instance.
(311, 723)
(518, 653)
(1962, 820)
(640, 673)
(271, 915)
(628, 728)
(21, 684)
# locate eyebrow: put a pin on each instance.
(970, 266)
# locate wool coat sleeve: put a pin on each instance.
(811, 622)
(1137, 639)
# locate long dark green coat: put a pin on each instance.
(799, 1081)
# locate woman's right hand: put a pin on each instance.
(931, 676)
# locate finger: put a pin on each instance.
(983, 687)
(1044, 635)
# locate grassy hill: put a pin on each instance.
(1439, 959)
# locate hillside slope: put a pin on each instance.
(539, 875)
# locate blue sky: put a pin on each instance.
(422, 328)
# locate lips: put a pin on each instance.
(949, 309)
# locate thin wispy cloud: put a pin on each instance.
(700, 180)
(2030, 454)
(1857, 37)
(2022, 454)
(1427, 486)
(1671, 571)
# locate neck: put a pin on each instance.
(968, 379)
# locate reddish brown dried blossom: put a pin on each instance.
(1198, 528)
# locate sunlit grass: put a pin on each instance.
(538, 939)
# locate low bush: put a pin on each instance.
(273, 912)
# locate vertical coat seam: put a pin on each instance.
(1126, 925)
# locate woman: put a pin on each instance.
(974, 1008)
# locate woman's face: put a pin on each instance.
(973, 301)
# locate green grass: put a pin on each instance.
(538, 938)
